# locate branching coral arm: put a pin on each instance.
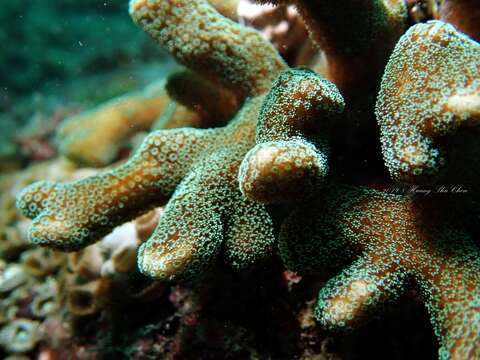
(70, 216)
(290, 157)
(190, 234)
(430, 90)
(355, 294)
(208, 43)
(395, 238)
(450, 285)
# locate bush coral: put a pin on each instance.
(219, 184)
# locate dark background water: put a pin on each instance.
(47, 42)
(59, 57)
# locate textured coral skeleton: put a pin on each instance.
(275, 150)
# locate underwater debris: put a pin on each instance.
(431, 88)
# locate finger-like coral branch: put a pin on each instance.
(290, 157)
(355, 294)
(191, 231)
(357, 37)
(94, 137)
(208, 43)
(70, 216)
(429, 90)
(397, 238)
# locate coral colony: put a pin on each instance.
(267, 144)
